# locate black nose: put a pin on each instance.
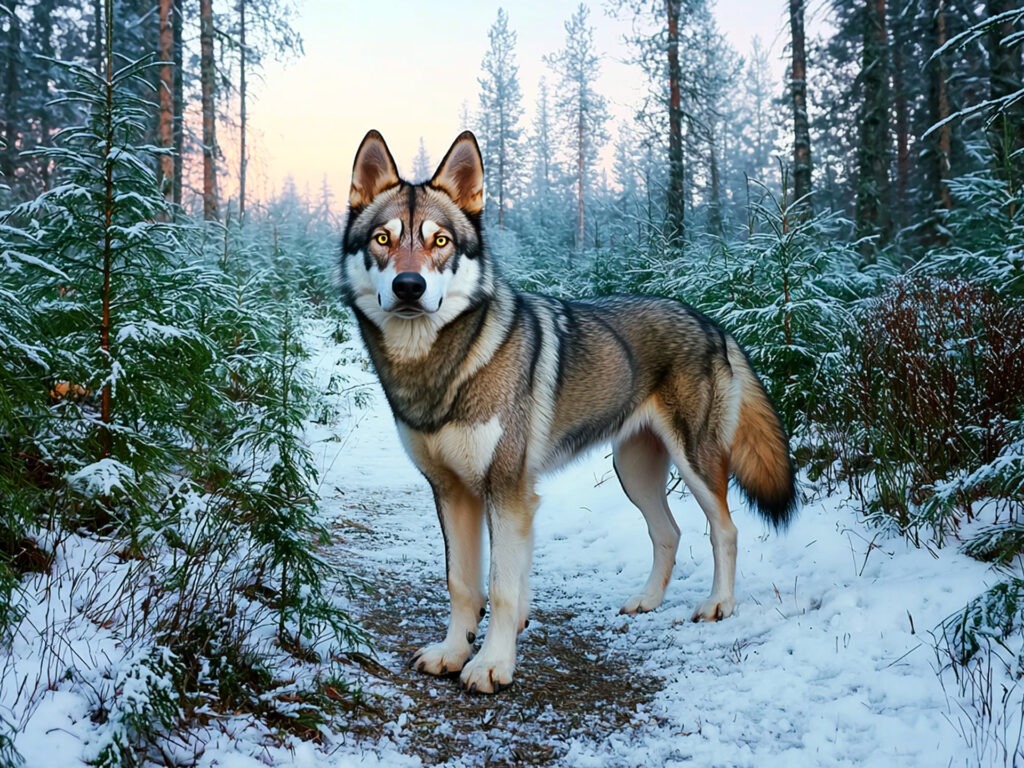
(408, 286)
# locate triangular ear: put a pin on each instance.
(461, 174)
(373, 171)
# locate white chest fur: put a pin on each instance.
(464, 449)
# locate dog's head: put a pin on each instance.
(414, 253)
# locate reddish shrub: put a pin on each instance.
(937, 376)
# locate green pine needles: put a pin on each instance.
(154, 481)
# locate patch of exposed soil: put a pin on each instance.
(567, 684)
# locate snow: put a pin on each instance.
(829, 659)
(148, 329)
(102, 478)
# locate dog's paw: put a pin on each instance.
(440, 658)
(483, 675)
(714, 609)
(641, 603)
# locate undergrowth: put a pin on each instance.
(157, 495)
(934, 399)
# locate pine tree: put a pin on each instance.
(662, 122)
(500, 114)
(580, 109)
(1006, 89)
(675, 210)
(243, 107)
(908, 141)
(169, 169)
(257, 29)
(941, 146)
(32, 35)
(178, 100)
(901, 46)
(718, 69)
(640, 174)
(759, 133)
(10, 26)
(691, 114)
(421, 167)
(543, 225)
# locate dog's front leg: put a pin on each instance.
(461, 515)
(510, 520)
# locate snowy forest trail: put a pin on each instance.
(566, 684)
(829, 660)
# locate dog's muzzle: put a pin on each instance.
(408, 287)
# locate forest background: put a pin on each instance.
(857, 226)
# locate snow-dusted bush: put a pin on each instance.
(137, 699)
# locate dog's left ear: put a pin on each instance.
(461, 174)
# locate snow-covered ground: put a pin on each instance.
(829, 659)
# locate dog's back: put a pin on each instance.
(629, 362)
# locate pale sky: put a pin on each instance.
(406, 68)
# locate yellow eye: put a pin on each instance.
(440, 241)
(382, 238)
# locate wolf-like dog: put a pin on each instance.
(491, 387)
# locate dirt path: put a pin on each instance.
(567, 684)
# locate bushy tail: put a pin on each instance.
(760, 459)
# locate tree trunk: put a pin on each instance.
(675, 204)
(942, 146)
(873, 188)
(942, 112)
(1006, 135)
(208, 83)
(43, 23)
(242, 94)
(580, 206)
(901, 110)
(715, 225)
(9, 118)
(98, 37)
(179, 106)
(801, 124)
(167, 77)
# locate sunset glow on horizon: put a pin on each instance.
(410, 69)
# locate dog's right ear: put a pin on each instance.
(373, 171)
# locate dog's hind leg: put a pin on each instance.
(710, 489)
(461, 515)
(641, 461)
